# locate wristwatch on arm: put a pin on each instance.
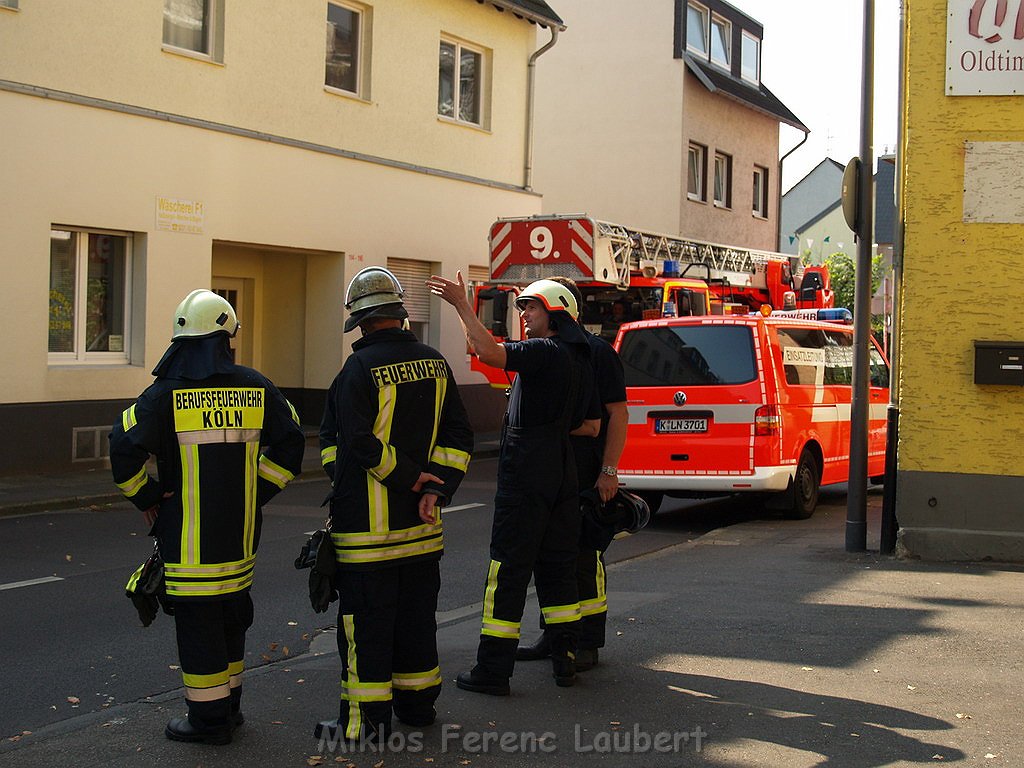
(610, 471)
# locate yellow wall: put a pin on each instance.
(272, 74)
(962, 282)
(306, 215)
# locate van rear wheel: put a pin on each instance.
(806, 483)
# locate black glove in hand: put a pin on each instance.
(321, 591)
(146, 605)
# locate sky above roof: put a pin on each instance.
(811, 59)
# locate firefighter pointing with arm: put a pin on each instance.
(536, 510)
(226, 441)
(597, 460)
(395, 441)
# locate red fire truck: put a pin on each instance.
(626, 274)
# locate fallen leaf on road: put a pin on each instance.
(68, 558)
(379, 764)
(301, 680)
(293, 623)
(273, 646)
(169, 666)
(315, 760)
(285, 651)
(265, 657)
(74, 700)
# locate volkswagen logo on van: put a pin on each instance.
(679, 398)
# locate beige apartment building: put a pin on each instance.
(654, 115)
(267, 150)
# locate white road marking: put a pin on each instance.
(29, 583)
(461, 507)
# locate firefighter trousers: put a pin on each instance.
(535, 531)
(211, 651)
(387, 640)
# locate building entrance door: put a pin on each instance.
(232, 289)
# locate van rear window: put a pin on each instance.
(688, 355)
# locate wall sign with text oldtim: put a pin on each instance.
(985, 47)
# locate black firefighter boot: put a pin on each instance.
(540, 649)
(563, 659)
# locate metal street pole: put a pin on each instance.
(890, 525)
(856, 500)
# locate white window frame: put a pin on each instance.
(701, 153)
(481, 81)
(705, 16)
(726, 26)
(361, 62)
(760, 184)
(214, 36)
(80, 355)
(723, 172)
(756, 79)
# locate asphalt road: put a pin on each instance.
(71, 642)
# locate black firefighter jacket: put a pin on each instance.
(392, 412)
(224, 446)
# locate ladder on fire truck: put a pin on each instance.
(632, 247)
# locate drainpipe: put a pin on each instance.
(531, 70)
(778, 186)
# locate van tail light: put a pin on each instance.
(767, 420)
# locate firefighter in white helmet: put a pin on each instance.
(536, 508)
(395, 441)
(597, 460)
(226, 441)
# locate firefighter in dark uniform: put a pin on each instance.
(226, 441)
(396, 441)
(536, 510)
(597, 460)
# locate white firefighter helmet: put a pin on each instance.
(203, 313)
(374, 292)
(554, 296)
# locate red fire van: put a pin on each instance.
(742, 404)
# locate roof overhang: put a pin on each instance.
(536, 11)
(756, 97)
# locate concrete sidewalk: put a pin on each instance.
(761, 644)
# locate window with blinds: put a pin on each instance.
(413, 275)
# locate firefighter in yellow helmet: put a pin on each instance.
(396, 442)
(536, 507)
(225, 441)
